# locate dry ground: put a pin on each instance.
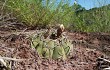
(88, 47)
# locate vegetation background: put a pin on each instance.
(44, 13)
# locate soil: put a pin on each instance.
(88, 47)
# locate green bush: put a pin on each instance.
(49, 12)
(40, 12)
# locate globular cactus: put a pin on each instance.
(50, 48)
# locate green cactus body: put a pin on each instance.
(59, 52)
(48, 48)
(66, 48)
(35, 41)
(51, 44)
(36, 38)
(63, 54)
(39, 48)
(56, 52)
(50, 53)
(45, 52)
(34, 44)
(69, 43)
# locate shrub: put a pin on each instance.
(49, 12)
(40, 12)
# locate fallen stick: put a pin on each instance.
(13, 59)
(104, 60)
(3, 62)
(106, 68)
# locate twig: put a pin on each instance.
(104, 60)
(3, 62)
(13, 59)
(106, 68)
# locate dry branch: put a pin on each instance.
(13, 59)
(104, 60)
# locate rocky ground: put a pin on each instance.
(88, 48)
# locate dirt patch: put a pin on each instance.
(87, 49)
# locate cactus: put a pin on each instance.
(51, 44)
(57, 52)
(64, 57)
(39, 48)
(69, 43)
(49, 48)
(66, 48)
(45, 52)
(35, 41)
(51, 52)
